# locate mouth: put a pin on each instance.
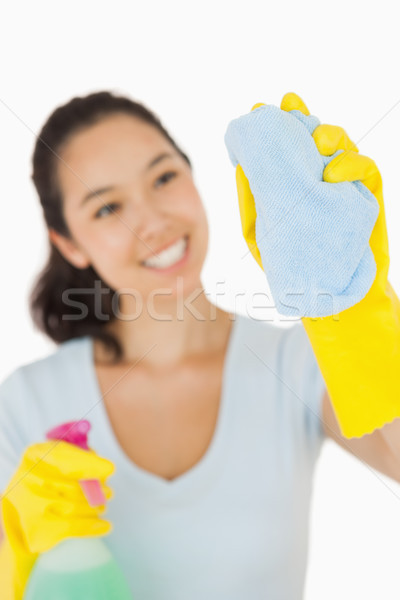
(171, 258)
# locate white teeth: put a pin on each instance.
(168, 257)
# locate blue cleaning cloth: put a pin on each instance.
(313, 236)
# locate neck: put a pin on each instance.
(169, 335)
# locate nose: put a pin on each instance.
(149, 223)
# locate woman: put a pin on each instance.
(211, 419)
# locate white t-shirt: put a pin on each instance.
(235, 525)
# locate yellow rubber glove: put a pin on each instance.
(357, 350)
(44, 504)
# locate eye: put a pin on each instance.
(106, 206)
(166, 177)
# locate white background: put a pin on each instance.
(199, 65)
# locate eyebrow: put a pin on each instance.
(109, 188)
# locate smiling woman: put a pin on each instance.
(79, 115)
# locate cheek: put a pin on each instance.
(111, 247)
(197, 217)
(190, 207)
(200, 217)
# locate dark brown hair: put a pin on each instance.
(46, 303)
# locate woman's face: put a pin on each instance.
(150, 204)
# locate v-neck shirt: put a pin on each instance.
(235, 524)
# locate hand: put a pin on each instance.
(301, 232)
(44, 504)
(347, 166)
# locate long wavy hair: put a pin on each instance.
(46, 304)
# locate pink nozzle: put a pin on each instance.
(75, 432)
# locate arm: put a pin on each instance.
(373, 448)
(391, 435)
(356, 338)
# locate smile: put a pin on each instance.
(172, 257)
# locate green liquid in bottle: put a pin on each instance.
(77, 569)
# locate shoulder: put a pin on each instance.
(59, 361)
(33, 397)
(278, 356)
(284, 347)
(33, 387)
(264, 336)
(279, 365)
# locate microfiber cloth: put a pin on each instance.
(313, 236)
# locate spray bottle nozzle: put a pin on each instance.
(76, 432)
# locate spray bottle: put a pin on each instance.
(77, 568)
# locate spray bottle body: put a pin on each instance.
(78, 569)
